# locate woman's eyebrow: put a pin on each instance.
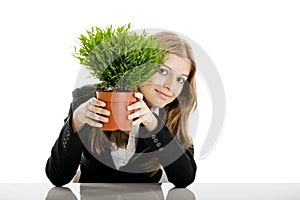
(172, 70)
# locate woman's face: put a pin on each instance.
(166, 84)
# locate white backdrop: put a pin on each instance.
(255, 46)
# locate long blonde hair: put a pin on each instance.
(177, 112)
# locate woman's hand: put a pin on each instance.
(90, 112)
(142, 113)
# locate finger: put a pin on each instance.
(96, 117)
(136, 114)
(96, 102)
(98, 110)
(137, 121)
(136, 105)
(93, 123)
(143, 119)
(138, 95)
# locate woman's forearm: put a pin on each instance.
(65, 156)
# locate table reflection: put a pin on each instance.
(120, 192)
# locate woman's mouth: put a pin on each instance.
(163, 95)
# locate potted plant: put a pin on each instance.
(121, 60)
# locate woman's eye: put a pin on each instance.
(162, 71)
(180, 80)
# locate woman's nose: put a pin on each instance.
(170, 83)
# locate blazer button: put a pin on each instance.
(155, 140)
(158, 144)
(161, 149)
(153, 136)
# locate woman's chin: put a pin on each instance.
(159, 104)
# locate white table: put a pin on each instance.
(165, 191)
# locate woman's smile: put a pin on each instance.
(162, 95)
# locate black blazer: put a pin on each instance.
(72, 149)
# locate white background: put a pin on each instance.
(255, 46)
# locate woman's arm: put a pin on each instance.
(65, 155)
(179, 164)
(66, 152)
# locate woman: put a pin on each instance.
(159, 137)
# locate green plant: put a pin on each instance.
(120, 59)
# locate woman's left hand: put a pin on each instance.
(142, 113)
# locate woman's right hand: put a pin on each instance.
(90, 112)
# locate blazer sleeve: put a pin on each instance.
(65, 156)
(66, 153)
(178, 163)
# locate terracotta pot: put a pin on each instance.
(116, 103)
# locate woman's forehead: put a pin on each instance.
(178, 64)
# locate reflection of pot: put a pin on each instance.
(121, 191)
(116, 103)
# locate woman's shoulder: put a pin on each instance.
(82, 94)
(85, 90)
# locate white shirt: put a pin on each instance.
(121, 156)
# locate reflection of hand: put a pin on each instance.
(58, 193)
(142, 113)
(90, 112)
(180, 193)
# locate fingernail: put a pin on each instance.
(129, 117)
(129, 108)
